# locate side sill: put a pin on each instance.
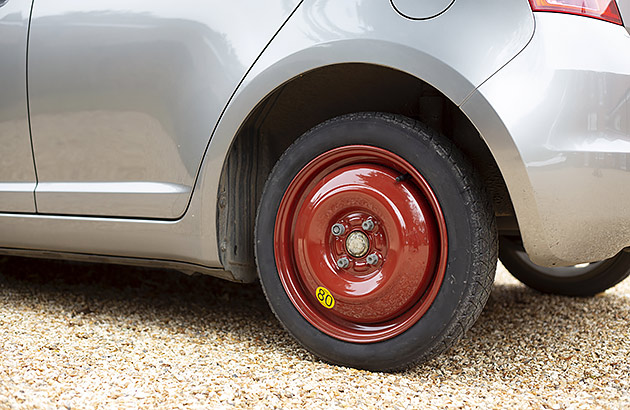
(184, 267)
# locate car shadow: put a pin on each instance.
(518, 331)
(522, 332)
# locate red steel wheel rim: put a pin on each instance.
(360, 244)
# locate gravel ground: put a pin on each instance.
(98, 336)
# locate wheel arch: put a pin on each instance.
(311, 97)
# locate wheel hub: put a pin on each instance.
(357, 244)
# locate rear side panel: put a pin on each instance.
(125, 95)
(454, 52)
(564, 101)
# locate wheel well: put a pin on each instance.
(310, 99)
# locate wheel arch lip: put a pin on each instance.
(497, 138)
(261, 83)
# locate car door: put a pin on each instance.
(124, 96)
(17, 173)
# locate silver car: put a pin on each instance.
(368, 161)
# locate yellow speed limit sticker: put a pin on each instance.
(324, 297)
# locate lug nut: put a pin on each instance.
(343, 262)
(367, 225)
(338, 229)
(372, 259)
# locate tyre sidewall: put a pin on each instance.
(424, 338)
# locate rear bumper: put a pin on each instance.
(559, 129)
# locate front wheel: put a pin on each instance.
(375, 242)
(581, 280)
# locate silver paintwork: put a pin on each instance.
(360, 32)
(319, 33)
(17, 173)
(99, 198)
(16, 196)
(624, 9)
(180, 241)
(126, 91)
(561, 136)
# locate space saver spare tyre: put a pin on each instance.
(376, 243)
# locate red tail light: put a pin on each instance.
(600, 9)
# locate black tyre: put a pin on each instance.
(580, 280)
(375, 242)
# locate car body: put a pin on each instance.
(144, 133)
